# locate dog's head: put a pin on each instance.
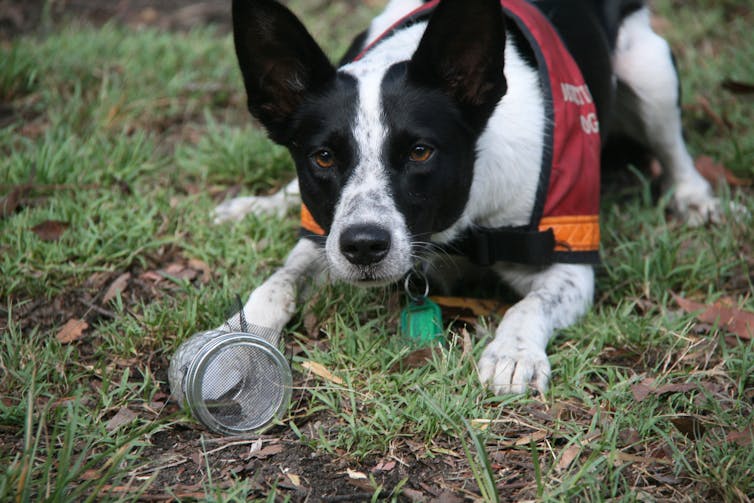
(384, 147)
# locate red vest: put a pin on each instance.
(564, 226)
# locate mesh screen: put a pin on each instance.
(242, 386)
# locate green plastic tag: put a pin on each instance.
(421, 321)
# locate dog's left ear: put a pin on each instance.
(462, 54)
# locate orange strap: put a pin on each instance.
(574, 232)
(308, 222)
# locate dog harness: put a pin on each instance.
(564, 225)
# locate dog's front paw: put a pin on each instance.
(235, 209)
(695, 204)
(505, 368)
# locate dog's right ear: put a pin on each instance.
(280, 62)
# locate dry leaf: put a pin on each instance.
(526, 439)
(734, 320)
(676, 388)
(116, 287)
(72, 331)
(414, 360)
(469, 309)
(9, 203)
(295, 479)
(714, 172)
(569, 454)
(631, 458)
(742, 438)
(383, 467)
(413, 495)
(50, 230)
(319, 370)
(737, 87)
(123, 416)
(267, 452)
(690, 426)
(151, 276)
(643, 389)
(202, 267)
(179, 271)
(353, 474)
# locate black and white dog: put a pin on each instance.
(468, 127)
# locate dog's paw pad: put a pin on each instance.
(507, 371)
(237, 208)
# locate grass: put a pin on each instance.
(133, 155)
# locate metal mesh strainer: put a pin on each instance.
(234, 381)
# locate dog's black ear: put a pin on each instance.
(280, 62)
(462, 54)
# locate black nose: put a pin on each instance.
(364, 244)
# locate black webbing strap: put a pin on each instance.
(522, 245)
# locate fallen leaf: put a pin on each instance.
(383, 467)
(50, 230)
(468, 307)
(123, 416)
(643, 389)
(714, 172)
(205, 272)
(179, 271)
(9, 203)
(468, 346)
(150, 276)
(295, 479)
(353, 474)
(690, 426)
(413, 495)
(734, 320)
(631, 458)
(267, 452)
(72, 331)
(448, 497)
(742, 438)
(676, 388)
(414, 360)
(116, 287)
(319, 370)
(737, 87)
(256, 446)
(311, 324)
(526, 439)
(569, 454)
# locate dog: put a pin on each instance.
(461, 131)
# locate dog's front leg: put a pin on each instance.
(553, 298)
(273, 303)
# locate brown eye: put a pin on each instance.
(421, 153)
(324, 158)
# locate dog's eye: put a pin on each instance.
(324, 158)
(421, 153)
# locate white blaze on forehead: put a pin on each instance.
(370, 130)
(369, 133)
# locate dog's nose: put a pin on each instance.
(364, 244)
